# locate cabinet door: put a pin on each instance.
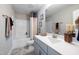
(51, 51)
(42, 45)
(41, 52)
(36, 48)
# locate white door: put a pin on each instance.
(21, 29)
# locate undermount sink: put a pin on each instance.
(54, 40)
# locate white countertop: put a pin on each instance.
(62, 47)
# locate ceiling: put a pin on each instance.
(55, 8)
(27, 8)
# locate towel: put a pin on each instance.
(57, 28)
(11, 23)
(57, 25)
(8, 26)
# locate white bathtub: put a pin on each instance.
(18, 46)
(21, 42)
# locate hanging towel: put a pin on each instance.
(11, 23)
(57, 28)
(57, 25)
(7, 27)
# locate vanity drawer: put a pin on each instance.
(51, 51)
(41, 52)
(42, 45)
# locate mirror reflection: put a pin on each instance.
(60, 18)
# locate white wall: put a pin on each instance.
(21, 16)
(63, 17)
(42, 12)
(5, 45)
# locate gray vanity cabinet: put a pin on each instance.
(40, 48)
(43, 46)
(43, 49)
(36, 46)
(41, 52)
(36, 49)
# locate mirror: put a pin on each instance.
(59, 17)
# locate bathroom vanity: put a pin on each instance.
(47, 45)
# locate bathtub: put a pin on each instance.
(17, 43)
(18, 47)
